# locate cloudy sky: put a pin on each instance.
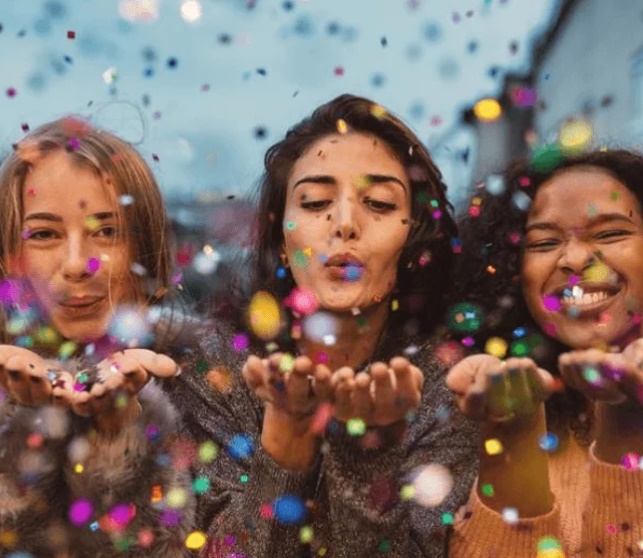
(203, 87)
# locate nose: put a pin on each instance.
(576, 257)
(75, 266)
(346, 224)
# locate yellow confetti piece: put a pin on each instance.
(493, 446)
(597, 272)
(264, 315)
(306, 534)
(487, 110)
(496, 346)
(78, 468)
(407, 492)
(287, 363)
(378, 111)
(177, 498)
(308, 252)
(363, 182)
(195, 540)
(575, 137)
(342, 127)
(91, 223)
(208, 452)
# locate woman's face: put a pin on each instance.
(73, 253)
(346, 220)
(582, 268)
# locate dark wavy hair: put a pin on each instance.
(488, 273)
(420, 287)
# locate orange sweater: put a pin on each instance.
(598, 512)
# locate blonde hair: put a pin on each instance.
(122, 170)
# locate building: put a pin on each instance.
(587, 67)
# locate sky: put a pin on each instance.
(204, 87)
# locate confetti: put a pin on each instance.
(432, 484)
(289, 509)
(493, 446)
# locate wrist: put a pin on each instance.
(619, 431)
(288, 439)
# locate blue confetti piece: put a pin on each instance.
(240, 446)
(289, 509)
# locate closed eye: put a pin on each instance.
(379, 206)
(614, 234)
(315, 205)
(542, 245)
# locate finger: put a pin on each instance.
(39, 387)
(254, 373)
(473, 402)
(298, 381)
(81, 404)
(408, 381)
(590, 373)
(123, 372)
(321, 383)
(161, 366)
(341, 375)
(344, 388)
(499, 403)
(362, 400)
(384, 385)
(463, 374)
(63, 389)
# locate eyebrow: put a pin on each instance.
(331, 180)
(597, 220)
(44, 216)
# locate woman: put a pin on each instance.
(83, 252)
(565, 481)
(354, 237)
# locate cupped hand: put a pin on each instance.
(488, 389)
(30, 381)
(613, 378)
(290, 385)
(380, 397)
(108, 391)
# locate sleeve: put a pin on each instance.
(613, 518)
(480, 532)
(248, 504)
(393, 497)
(131, 492)
(32, 491)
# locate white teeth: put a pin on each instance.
(579, 298)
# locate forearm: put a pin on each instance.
(515, 462)
(619, 431)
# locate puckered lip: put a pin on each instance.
(79, 301)
(588, 287)
(343, 260)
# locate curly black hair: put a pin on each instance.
(488, 271)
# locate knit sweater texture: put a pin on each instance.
(349, 503)
(597, 512)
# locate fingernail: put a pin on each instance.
(514, 371)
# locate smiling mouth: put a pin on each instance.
(588, 298)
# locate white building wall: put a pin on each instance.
(590, 60)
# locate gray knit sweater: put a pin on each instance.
(350, 498)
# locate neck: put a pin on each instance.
(356, 338)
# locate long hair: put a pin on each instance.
(129, 181)
(426, 259)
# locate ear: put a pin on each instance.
(284, 258)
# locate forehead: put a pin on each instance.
(575, 195)
(354, 152)
(58, 182)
